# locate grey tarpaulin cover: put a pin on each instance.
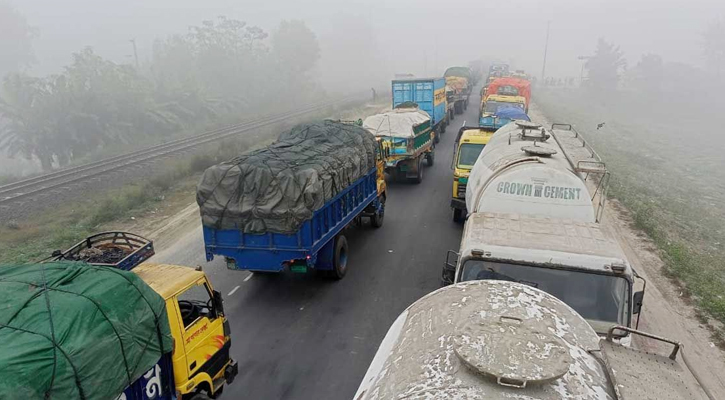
(277, 188)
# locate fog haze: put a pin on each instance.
(373, 30)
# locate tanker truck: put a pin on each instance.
(506, 340)
(531, 219)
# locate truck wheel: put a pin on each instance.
(443, 126)
(339, 260)
(457, 215)
(419, 176)
(451, 115)
(437, 137)
(377, 220)
(465, 105)
(430, 158)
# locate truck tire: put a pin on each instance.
(377, 220)
(436, 137)
(465, 105)
(339, 258)
(457, 215)
(443, 126)
(451, 115)
(430, 158)
(419, 176)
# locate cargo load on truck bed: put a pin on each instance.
(70, 330)
(277, 188)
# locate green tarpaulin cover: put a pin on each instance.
(72, 330)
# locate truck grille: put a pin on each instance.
(461, 191)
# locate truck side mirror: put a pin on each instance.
(448, 275)
(218, 303)
(637, 300)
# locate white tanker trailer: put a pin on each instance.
(503, 340)
(532, 220)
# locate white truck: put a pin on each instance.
(504, 340)
(533, 219)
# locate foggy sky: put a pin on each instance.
(421, 37)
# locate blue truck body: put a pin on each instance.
(428, 93)
(312, 246)
(156, 384)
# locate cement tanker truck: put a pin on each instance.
(506, 340)
(532, 219)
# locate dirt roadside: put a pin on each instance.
(664, 311)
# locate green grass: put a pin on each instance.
(676, 201)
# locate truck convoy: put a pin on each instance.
(532, 220)
(407, 138)
(506, 340)
(429, 94)
(92, 322)
(285, 206)
(469, 143)
(458, 87)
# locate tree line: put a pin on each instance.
(218, 68)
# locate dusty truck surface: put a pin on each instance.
(407, 137)
(91, 323)
(286, 206)
(458, 87)
(505, 340)
(532, 219)
(429, 94)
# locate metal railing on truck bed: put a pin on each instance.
(122, 250)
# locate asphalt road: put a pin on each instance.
(302, 337)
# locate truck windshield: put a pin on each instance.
(601, 299)
(468, 154)
(493, 106)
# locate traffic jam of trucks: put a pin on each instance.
(538, 302)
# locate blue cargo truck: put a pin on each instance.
(317, 245)
(315, 242)
(429, 94)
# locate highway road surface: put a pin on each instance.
(303, 337)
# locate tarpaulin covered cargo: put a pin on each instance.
(277, 188)
(510, 87)
(512, 112)
(401, 122)
(70, 330)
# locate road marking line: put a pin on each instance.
(233, 290)
(464, 123)
(251, 274)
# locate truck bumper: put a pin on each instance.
(458, 204)
(231, 371)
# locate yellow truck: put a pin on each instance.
(498, 110)
(469, 144)
(199, 363)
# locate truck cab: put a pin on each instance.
(577, 262)
(468, 146)
(492, 104)
(200, 359)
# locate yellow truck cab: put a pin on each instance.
(469, 144)
(491, 104)
(200, 330)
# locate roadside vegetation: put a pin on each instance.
(218, 72)
(661, 139)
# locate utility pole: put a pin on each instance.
(546, 50)
(135, 53)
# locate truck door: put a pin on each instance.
(203, 331)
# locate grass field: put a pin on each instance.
(667, 158)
